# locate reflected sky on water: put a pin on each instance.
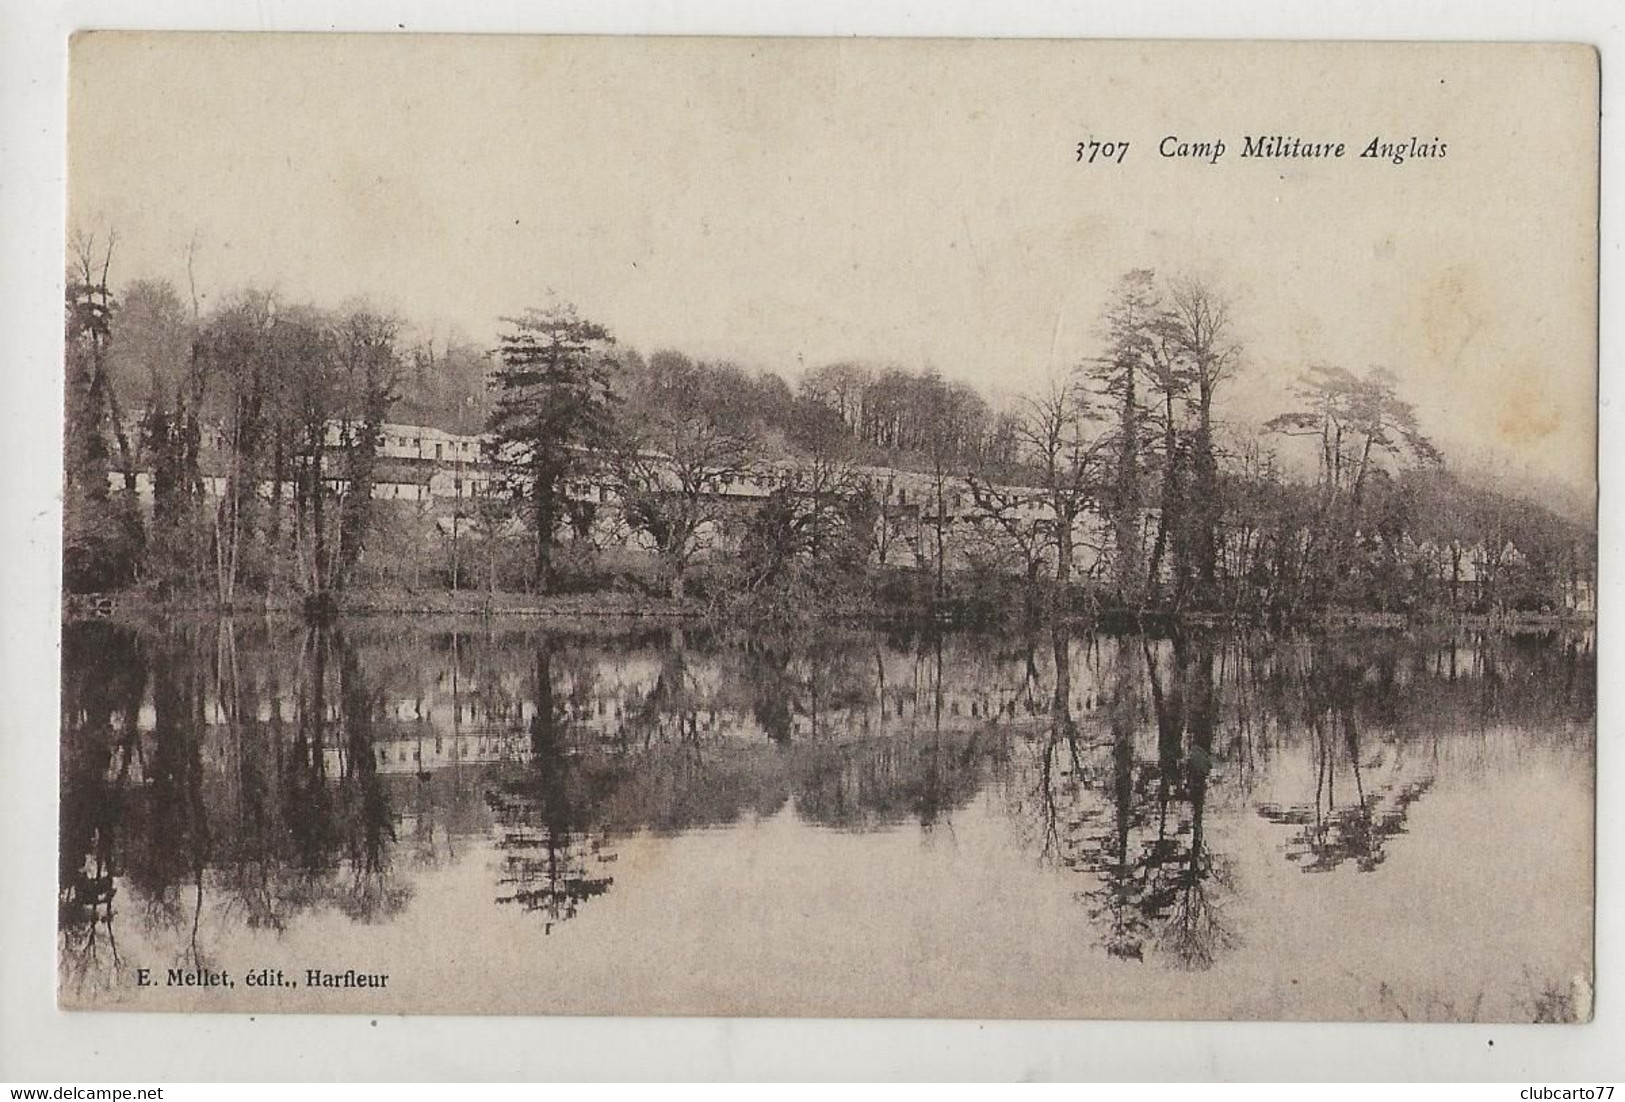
(684, 820)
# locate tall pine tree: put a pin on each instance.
(553, 415)
(1130, 335)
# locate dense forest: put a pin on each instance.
(229, 456)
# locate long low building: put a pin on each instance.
(432, 467)
(443, 475)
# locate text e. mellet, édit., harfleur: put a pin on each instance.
(263, 977)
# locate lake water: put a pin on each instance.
(840, 823)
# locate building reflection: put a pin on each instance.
(257, 773)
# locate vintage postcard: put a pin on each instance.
(937, 528)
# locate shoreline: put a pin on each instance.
(611, 607)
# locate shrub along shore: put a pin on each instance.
(875, 604)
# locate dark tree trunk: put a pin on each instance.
(1064, 550)
(1206, 507)
(279, 472)
(317, 492)
(357, 510)
(544, 490)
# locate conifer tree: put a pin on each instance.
(553, 415)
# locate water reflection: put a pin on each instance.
(226, 775)
(1123, 801)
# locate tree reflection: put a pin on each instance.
(1330, 831)
(915, 769)
(104, 677)
(551, 861)
(371, 892)
(170, 846)
(772, 690)
(185, 791)
(252, 773)
(1195, 931)
(1133, 823)
(1118, 903)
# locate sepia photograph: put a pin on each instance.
(829, 527)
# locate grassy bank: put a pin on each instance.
(879, 604)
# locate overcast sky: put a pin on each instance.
(787, 203)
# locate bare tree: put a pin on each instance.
(1061, 453)
(1058, 435)
(673, 478)
(1014, 517)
